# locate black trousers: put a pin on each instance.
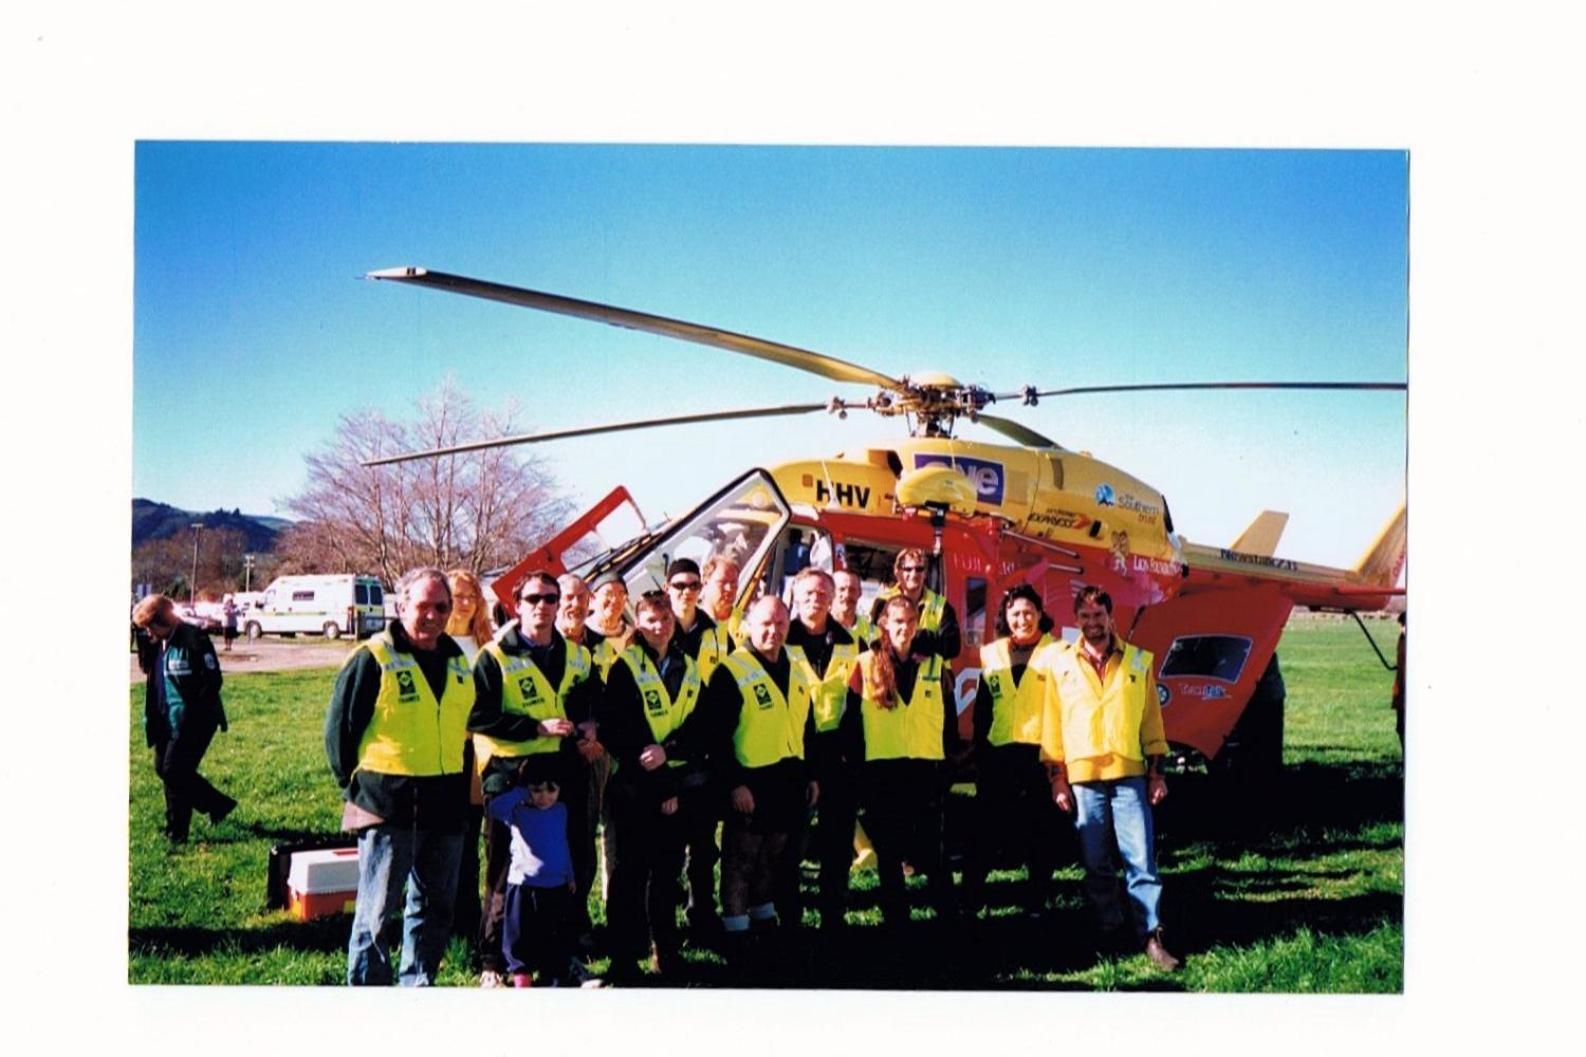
(902, 802)
(833, 841)
(176, 761)
(1013, 812)
(574, 791)
(703, 853)
(645, 851)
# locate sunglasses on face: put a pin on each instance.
(911, 569)
(534, 600)
(685, 585)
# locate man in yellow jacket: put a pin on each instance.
(1102, 734)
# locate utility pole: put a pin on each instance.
(247, 573)
(192, 584)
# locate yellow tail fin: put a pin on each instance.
(1384, 559)
(1262, 535)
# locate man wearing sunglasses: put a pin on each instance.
(534, 694)
(938, 630)
(698, 636)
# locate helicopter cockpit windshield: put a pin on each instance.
(742, 521)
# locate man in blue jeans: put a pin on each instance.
(1102, 734)
(394, 737)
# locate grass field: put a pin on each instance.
(1299, 889)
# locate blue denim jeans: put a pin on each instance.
(427, 863)
(1114, 817)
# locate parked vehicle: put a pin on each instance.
(329, 605)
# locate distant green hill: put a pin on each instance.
(153, 521)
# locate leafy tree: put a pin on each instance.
(478, 510)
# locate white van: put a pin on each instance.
(329, 605)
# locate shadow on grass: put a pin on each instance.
(1310, 811)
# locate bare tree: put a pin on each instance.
(478, 510)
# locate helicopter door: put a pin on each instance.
(742, 522)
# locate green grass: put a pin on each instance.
(1297, 889)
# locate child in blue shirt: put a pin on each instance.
(537, 934)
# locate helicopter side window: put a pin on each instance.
(978, 626)
(802, 547)
(1208, 656)
(742, 522)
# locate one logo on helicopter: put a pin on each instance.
(1105, 496)
(986, 476)
(1204, 691)
(1163, 694)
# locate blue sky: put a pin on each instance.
(1001, 266)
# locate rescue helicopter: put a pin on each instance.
(991, 516)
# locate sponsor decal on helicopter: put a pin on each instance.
(1204, 691)
(1285, 564)
(986, 475)
(1155, 566)
(1063, 519)
(1163, 694)
(846, 494)
(1105, 496)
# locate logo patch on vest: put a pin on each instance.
(527, 687)
(762, 696)
(995, 682)
(406, 690)
(652, 701)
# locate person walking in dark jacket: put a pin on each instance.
(181, 712)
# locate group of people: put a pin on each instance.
(650, 723)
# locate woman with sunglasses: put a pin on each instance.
(1013, 799)
(899, 730)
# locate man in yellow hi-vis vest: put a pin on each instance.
(938, 631)
(394, 737)
(1102, 733)
(761, 726)
(832, 654)
(535, 695)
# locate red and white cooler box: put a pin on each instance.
(323, 882)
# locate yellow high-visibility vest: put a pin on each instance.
(1016, 710)
(909, 730)
(661, 711)
(411, 732)
(932, 606)
(831, 689)
(1085, 719)
(770, 724)
(525, 691)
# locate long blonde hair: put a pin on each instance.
(881, 679)
(479, 626)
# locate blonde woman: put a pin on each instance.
(900, 728)
(470, 627)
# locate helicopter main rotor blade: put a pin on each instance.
(1018, 431)
(610, 427)
(787, 355)
(1079, 389)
